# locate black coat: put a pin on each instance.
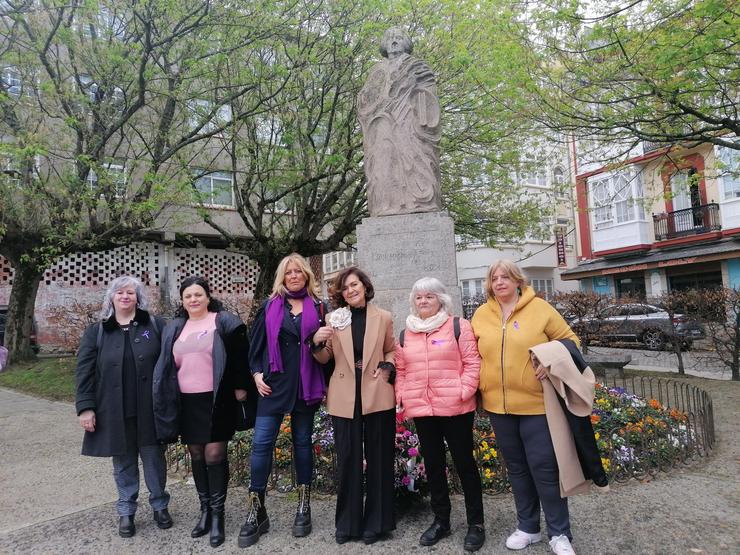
(99, 376)
(284, 396)
(230, 372)
(583, 429)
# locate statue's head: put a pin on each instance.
(396, 41)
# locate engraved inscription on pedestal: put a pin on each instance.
(398, 250)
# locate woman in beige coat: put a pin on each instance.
(361, 400)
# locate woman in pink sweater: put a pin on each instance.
(438, 366)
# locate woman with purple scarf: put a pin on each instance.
(289, 381)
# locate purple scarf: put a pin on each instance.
(311, 386)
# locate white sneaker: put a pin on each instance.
(560, 545)
(520, 540)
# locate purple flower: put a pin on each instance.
(413, 452)
(405, 480)
(407, 433)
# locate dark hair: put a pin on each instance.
(214, 305)
(335, 291)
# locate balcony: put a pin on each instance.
(689, 221)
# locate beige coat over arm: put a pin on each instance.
(379, 345)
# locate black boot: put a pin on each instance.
(302, 522)
(257, 522)
(475, 538)
(438, 530)
(218, 482)
(200, 475)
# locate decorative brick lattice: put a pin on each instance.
(6, 271)
(227, 273)
(100, 268)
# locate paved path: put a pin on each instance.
(52, 500)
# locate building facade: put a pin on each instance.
(666, 219)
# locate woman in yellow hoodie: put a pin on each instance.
(513, 320)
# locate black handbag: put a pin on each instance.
(246, 414)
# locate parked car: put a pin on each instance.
(3, 319)
(638, 322)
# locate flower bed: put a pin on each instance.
(636, 437)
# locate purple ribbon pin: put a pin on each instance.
(516, 325)
(145, 334)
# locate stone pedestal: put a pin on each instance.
(398, 250)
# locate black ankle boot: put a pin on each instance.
(475, 538)
(438, 530)
(200, 475)
(257, 522)
(302, 522)
(218, 483)
(126, 526)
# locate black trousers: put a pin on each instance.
(373, 435)
(458, 432)
(533, 471)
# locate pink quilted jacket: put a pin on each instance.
(436, 376)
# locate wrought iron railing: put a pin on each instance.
(689, 221)
(628, 452)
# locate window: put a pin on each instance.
(105, 24)
(472, 287)
(600, 193)
(543, 286)
(216, 188)
(536, 178)
(110, 175)
(615, 198)
(11, 81)
(335, 261)
(201, 116)
(729, 172)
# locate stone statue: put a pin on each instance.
(399, 113)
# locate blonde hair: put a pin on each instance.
(278, 286)
(510, 269)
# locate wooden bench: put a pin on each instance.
(610, 365)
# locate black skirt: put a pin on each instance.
(196, 425)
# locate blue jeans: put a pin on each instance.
(126, 474)
(266, 429)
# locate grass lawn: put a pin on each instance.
(50, 378)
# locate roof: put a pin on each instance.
(655, 259)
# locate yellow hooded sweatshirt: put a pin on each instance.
(507, 380)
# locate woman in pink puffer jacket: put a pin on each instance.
(436, 382)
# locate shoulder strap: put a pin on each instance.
(400, 337)
(99, 340)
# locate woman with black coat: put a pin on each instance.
(199, 381)
(114, 370)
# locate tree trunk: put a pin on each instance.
(268, 263)
(676, 343)
(19, 324)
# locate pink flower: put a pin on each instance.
(405, 480)
(406, 433)
(413, 452)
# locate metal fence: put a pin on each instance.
(635, 454)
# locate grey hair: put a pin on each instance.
(119, 283)
(431, 285)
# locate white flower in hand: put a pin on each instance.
(340, 318)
